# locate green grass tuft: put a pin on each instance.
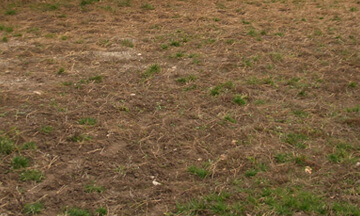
(7, 146)
(47, 129)
(74, 211)
(87, 121)
(200, 172)
(96, 79)
(296, 140)
(175, 43)
(29, 146)
(32, 175)
(19, 162)
(61, 71)
(239, 100)
(33, 208)
(10, 12)
(124, 3)
(94, 188)
(230, 119)
(153, 69)
(147, 6)
(127, 43)
(101, 211)
(86, 2)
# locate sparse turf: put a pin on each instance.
(229, 107)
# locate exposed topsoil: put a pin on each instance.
(191, 107)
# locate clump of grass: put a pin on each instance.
(33, 208)
(288, 201)
(353, 109)
(124, 3)
(33, 30)
(340, 153)
(29, 146)
(230, 41)
(229, 119)
(61, 71)
(282, 158)
(352, 85)
(300, 113)
(220, 5)
(189, 78)
(252, 33)
(47, 129)
(353, 9)
(68, 83)
(215, 91)
(259, 102)
(5, 39)
(213, 204)
(210, 41)
(147, 6)
(7, 146)
(200, 172)
(49, 35)
(175, 43)
(19, 162)
(9, 29)
(127, 43)
(300, 159)
(280, 34)
(245, 22)
(192, 87)
(293, 81)
(87, 121)
(296, 140)
(10, 12)
(177, 55)
(32, 175)
(239, 100)
(74, 211)
(64, 37)
(79, 138)
(86, 2)
(164, 46)
(94, 188)
(344, 208)
(276, 57)
(49, 7)
(253, 80)
(251, 172)
(153, 69)
(101, 211)
(221, 87)
(96, 79)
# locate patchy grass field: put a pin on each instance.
(180, 107)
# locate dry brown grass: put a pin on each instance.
(295, 63)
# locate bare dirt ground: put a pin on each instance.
(180, 107)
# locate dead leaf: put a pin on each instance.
(308, 169)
